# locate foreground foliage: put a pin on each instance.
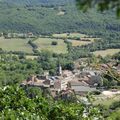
(101, 4)
(15, 103)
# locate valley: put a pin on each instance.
(44, 43)
(58, 62)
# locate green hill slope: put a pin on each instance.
(37, 2)
(48, 19)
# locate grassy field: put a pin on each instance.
(79, 43)
(71, 35)
(114, 115)
(45, 44)
(107, 101)
(63, 35)
(31, 57)
(104, 53)
(15, 45)
(76, 35)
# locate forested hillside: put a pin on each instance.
(37, 2)
(22, 16)
(59, 16)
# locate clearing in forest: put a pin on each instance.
(70, 35)
(82, 38)
(79, 43)
(104, 53)
(46, 44)
(15, 44)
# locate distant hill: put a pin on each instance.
(37, 2)
(58, 16)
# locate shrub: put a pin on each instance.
(54, 43)
(115, 105)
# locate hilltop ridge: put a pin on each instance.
(37, 2)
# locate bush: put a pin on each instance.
(54, 43)
(96, 92)
(115, 105)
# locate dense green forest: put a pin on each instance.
(45, 19)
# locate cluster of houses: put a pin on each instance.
(111, 66)
(79, 81)
(66, 82)
(18, 35)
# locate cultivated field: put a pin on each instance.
(104, 53)
(15, 45)
(45, 44)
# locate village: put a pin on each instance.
(78, 82)
(60, 60)
(18, 35)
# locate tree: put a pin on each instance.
(21, 55)
(115, 105)
(1, 49)
(17, 103)
(0, 34)
(102, 5)
(54, 43)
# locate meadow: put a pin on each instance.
(15, 44)
(31, 57)
(107, 100)
(69, 35)
(79, 43)
(104, 53)
(45, 44)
